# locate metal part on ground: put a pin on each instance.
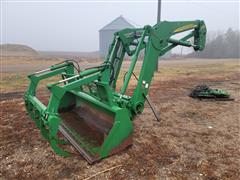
(204, 92)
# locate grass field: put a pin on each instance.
(194, 140)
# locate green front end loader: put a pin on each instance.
(85, 106)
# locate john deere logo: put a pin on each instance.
(184, 28)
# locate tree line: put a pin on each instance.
(225, 45)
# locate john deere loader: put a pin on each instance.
(85, 106)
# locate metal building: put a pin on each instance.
(106, 33)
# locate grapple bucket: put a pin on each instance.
(94, 129)
(92, 123)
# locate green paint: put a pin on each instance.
(101, 83)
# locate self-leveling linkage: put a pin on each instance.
(85, 106)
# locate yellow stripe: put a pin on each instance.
(184, 28)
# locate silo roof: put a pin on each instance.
(118, 23)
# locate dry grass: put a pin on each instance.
(194, 140)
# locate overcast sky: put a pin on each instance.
(73, 26)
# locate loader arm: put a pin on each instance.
(155, 41)
(86, 108)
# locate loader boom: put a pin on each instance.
(159, 41)
(85, 106)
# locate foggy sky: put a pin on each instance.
(73, 26)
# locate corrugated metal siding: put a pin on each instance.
(105, 40)
(107, 32)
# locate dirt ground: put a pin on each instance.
(194, 140)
